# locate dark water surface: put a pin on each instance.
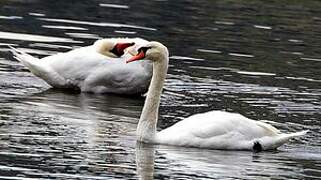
(261, 59)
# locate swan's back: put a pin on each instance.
(218, 130)
(86, 69)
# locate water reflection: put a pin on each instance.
(261, 60)
(145, 156)
(188, 163)
(63, 130)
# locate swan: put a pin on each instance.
(212, 130)
(97, 68)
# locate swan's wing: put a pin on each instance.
(76, 64)
(118, 77)
(82, 61)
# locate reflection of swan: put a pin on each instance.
(92, 68)
(145, 156)
(86, 106)
(214, 129)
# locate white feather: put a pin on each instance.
(214, 129)
(86, 69)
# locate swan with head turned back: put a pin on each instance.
(98, 68)
(213, 130)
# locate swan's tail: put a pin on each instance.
(32, 63)
(278, 140)
(38, 68)
(21, 56)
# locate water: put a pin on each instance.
(259, 59)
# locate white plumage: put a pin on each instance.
(223, 130)
(91, 69)
(214, 129)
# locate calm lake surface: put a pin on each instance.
(261, 60)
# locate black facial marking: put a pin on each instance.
(116, 52)
(257, 147)
(144, 49)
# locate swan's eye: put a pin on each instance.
(144, 49)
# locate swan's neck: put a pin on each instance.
(146, 128)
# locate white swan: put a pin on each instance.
(97, 68)
(214, 129)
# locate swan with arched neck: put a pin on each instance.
(213, 129)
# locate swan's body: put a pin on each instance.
(91, 69)
(214, 129)
(223, 130)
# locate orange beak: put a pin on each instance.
(120, 47)
(139, 56)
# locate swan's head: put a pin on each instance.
(112, 47)
(153, 51)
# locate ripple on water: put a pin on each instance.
(241, 55)
(117, 6)
(34, 37)
(256, 73)
(263, 27)
(225, 23)
(233, 70)
(8, 64)
(37, 14)
(103, 24)
(125, 32)
(51, 46)
(214, 68)
(295, 41)
(186, 58)
(311, 59)
(293, 53)
(11, 17)
(303, 79)
(39, 52)
(288, 107)
(65, 27)
(83, 35)
(8, 44)
(209, 51)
